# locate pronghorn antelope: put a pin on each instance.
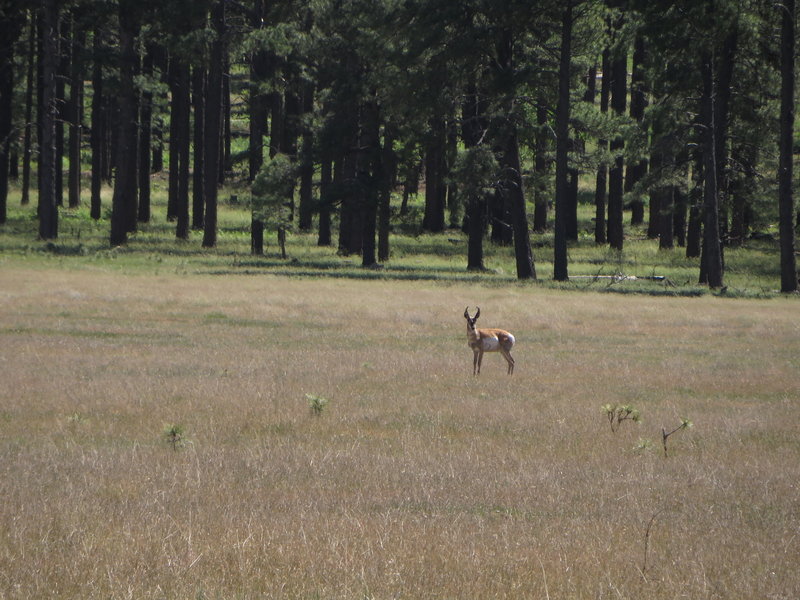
(487, 340)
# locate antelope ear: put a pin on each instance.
(478, 314)
(466, 313)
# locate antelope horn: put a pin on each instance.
(478, 314)
(466, 313)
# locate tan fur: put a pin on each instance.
(487, 340)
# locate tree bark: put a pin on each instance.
(722, 100)
(785, 196)
(519, 215)
(560, 266)
(213, 123)
(601, 180)
(225, 149)
(636, 170)
(259, 101)
(742, 191)
(473, 129)
(145, 139)
(619, 90)
(62, 74)
(98, 126)
(369, 172)
(29, 85)
(182, 143)
(198, 105)
(541, 200)
(711, 257)
(256, 237)
(435, 189)
(173, 74)
(124, 199)
(48, 207)
(76, 115)
(9, 29)
(385, 179)
(694, 227)
(325, 202)
(306, 159)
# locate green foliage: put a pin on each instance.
(271, 200)
(476, 172)
(685, 424)
(272, 191)
(316, 404)
(174, 435)
(617, 413)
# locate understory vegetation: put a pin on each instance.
(752, 269)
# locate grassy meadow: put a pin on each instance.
(751, 271)
(417, 480)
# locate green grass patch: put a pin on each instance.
(751, 271)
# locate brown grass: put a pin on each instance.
(418, 480)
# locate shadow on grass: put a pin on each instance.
(350, 270)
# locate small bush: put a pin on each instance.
(617, 413)
(175, 436)
(316, 404)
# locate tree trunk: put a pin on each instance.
(145, 138)
(9, 29)
(29, 85)
(694, 227)
(48, 207)
(666, 239)
(76, 115)
(305, 208)
(282, 241)
(519, 214)
(62, 74)
(635, 171)
(212, 124)
(98, 125)
(325, 202)
(679, 216)
(435, 189)
(124, 199)
(473, 130)
(256, 237)
(257, 124)
(370, 170)
(722, 99)
(619, 90)
(541, 200)
(785, 195)
(601, 180)
(259, 101)
(225, 164)
(276, 121)
(173, 74)
(388, 161)
(198, 105)
(742, 191)
(182, 143)
(290, 131)
(161, 62)
(711, 257)
(560, 266)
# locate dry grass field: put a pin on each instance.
(417, 480)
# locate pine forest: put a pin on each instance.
(504, 120)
